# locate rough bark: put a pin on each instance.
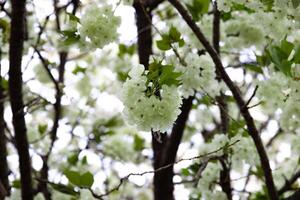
(163, 180)
(16, 96)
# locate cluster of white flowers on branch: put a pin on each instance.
(99, 26)
(149, 112)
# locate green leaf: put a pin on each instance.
(73, 177)
(286, 47)
(235, 127)
(71, 40)
(197, 8)
(68, 33)
(84, 160)
(73, 18)
(73, 159)
(163, 45)
(79, 69)
(296, 58)
(169, 76)
(139, 143)
(42, 128)
(263, 60)
(126, 49)
(254, 68)
(4, 83)
(81, 180)
(86, 179)
(285, 66)
(64, 189)
(295, 3)
(122, 76)
(174, 34)
(268, 3)
(185, 172)
(181, 43)
(16, 184)
(113, 122)
(225, 16)
(5, 26)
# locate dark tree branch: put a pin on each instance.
(163, 180)
(152, 4)
(4, 170)
(223, 106)
(206, 157)
(288, 183)
(143, 23)
(237, 96)
(2, 8)
(164, 151)
(16, 96)
(295, 196)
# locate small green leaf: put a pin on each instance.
(42, 128)
(139, 143)
(268, 3)
(174, 34)
(84, 160)
(71, 40)
(73, 177)
(163, 45)
(86, 179)
(197, 8)
(73, 18)
(254, 68)
(181, 43)
(68, 33)
(126, 49)
(185, 172)
(73, 159)
(4, 83)
(286, 47)
(79, 69)
(285, 66)
(169, 76)
(16, 184)
(296, 58)
(64, 189)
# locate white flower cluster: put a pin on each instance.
(99, 26)
(242, 151)
(198, 75)
(149, 112)
(290, 117)
(285, 95)
(225, 5)
(275, 88)
(242, 33)
(210, 176)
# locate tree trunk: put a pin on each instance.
(16, 97)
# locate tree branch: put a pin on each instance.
(222, 104)
(16, 96)
(4, 170)
(206, 156)
(237, 96)
(143, 23)
(288, 183)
